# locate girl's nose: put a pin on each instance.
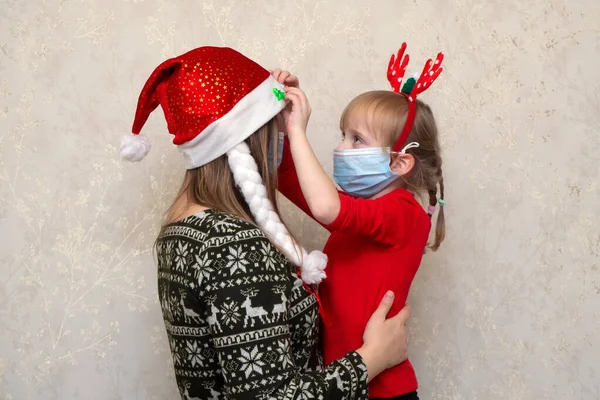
(344, 145)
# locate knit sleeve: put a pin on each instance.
(388, 219)
(252, 332)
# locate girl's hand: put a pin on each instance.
(296, 115)
(285, 78)
(385, 342)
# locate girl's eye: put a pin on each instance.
(357, 140)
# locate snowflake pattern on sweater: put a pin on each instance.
(240, 323)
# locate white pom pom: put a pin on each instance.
(134, 147)
(313, 267)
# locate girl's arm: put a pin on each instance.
(319, 191)
(288, 181)
(288, 184)
(387, 219)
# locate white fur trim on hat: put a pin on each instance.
(250, 113)
(247, 178)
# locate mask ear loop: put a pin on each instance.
(411, 145)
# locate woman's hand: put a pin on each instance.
(297, 113)
(385, 342)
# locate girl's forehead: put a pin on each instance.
(359, 117)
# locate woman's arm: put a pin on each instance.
(254, 342)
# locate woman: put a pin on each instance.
(241, 323)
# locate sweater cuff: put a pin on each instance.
(359, 370)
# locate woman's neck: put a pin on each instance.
(182, 208)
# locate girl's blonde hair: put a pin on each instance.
(385, 113)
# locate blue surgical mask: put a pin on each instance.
(364, 172)
(279, 151)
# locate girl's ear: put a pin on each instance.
(402, 164)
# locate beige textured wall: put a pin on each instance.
(508, 309)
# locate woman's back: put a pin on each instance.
(236, 313)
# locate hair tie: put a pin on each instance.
(442, 202)
(431, 210)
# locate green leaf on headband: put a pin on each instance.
(409, 85)
(279, 94)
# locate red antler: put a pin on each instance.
(431, 71)
(397, 68)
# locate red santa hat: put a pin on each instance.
(213, 98)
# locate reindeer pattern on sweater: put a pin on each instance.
(240, 323)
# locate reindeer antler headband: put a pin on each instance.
(412, 88)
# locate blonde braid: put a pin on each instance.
(247, 178)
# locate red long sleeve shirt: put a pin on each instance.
(374, 246)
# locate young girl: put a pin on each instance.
(389, 153)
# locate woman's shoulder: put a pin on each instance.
(216, 231)
(209, 223)
(225, 243)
